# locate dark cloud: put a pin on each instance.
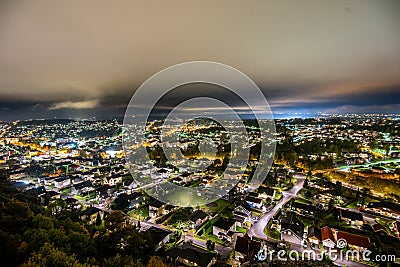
(84, 57)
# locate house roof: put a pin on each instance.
(90, 211)
(265, 190)
(314, 231)
(292, 223)
(224, 223)
(253, 199)
(61, 179)
(157, 234)
(156, 203)
(198, 214)
(355, 240)
(71, 200)
(354, 216)
(327, 233)
(378, 228)
(387, 205)
(191, 253)
(83, 185)
(247, 247)
(303, 206)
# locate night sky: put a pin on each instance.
(82, 59)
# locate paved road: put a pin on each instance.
(257, 230)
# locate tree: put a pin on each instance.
(156, 262)
(119, 260)
(338, 188)
(305, 183)
(49, 255)
(115, 220)
(208, 244)
(98, 219)
(331, 204)
(3, 175)
(387, 149)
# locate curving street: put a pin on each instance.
(257, 230)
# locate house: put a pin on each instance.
(72, 204)
(187, 254)
(356, 242)
(379, 229)
(314, 235)
(224, 228)
(197, 218)
(103, 191)
(91, 214)
(388, 209)
(378, 169)
(112, 180)
(246, 249)
(62, 182)
(156, 208)
(292, 229)
(350, 217)
(82, 188)
(168, 208)
(38, 192)
(396, 228)
(17, 174)
(327, 237)
(53, 195)
(254, 202)
(159, 236)
(136, 199)
(266, 192)
(303, 209)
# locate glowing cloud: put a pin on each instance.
(87, 104)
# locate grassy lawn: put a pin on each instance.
(213, 238)
(206, 232)
(86, 197)
(352, 205)
(241, 230)
(328, 220)
(271, 233)
(67, 190)
(216, 206)
(306, 221)
(278, 195)
(227, 212)
(303, 201)
(385, 224)
(207, 227)
(255, 213)
(141, 212)
(331, 221)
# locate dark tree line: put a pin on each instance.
(31, 235)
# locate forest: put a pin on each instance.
(33, 235)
